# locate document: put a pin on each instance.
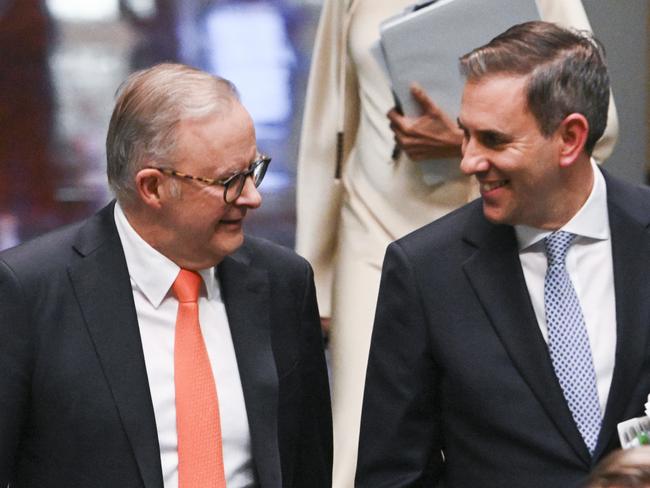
(424, 43)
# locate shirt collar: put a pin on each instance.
(591, 221)
(152, 272)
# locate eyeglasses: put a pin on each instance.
(234, 184)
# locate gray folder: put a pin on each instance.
(424, 44)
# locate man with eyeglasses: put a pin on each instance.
(153, 345)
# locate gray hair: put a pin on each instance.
(150, 104)
(566, 72)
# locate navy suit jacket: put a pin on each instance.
(75, 404)
(458, 362)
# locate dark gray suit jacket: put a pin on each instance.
(458, 362)
(75, 405)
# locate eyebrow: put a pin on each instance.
(494, 135)
(228, 173)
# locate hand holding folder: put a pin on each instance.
(431, 135)
(423, 45)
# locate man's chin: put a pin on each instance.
(229, 241)
(494, 215)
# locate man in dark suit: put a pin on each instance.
(512, 336)
(98, 386)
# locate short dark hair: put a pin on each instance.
(566, 69)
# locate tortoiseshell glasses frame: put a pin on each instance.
(234, 184)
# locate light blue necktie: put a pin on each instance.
(568, 342)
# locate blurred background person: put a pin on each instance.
(353, 199)
(27, 110)
(628, 468)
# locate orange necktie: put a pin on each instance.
(200, 456)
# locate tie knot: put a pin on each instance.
(557, 245)
(187, 286)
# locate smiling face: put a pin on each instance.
(200, 228)
(518, 169)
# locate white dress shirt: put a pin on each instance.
(152, 276)
(589, 264)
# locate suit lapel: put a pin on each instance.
(246, 295)
(101, 284)
(495, 274)
(631, 259)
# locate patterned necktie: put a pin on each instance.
(200, 457)
(568, 342)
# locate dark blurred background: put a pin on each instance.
(62, 60)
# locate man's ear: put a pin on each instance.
(572, 133)
(148, 184)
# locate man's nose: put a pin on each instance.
(250, 196)
(474, 159)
